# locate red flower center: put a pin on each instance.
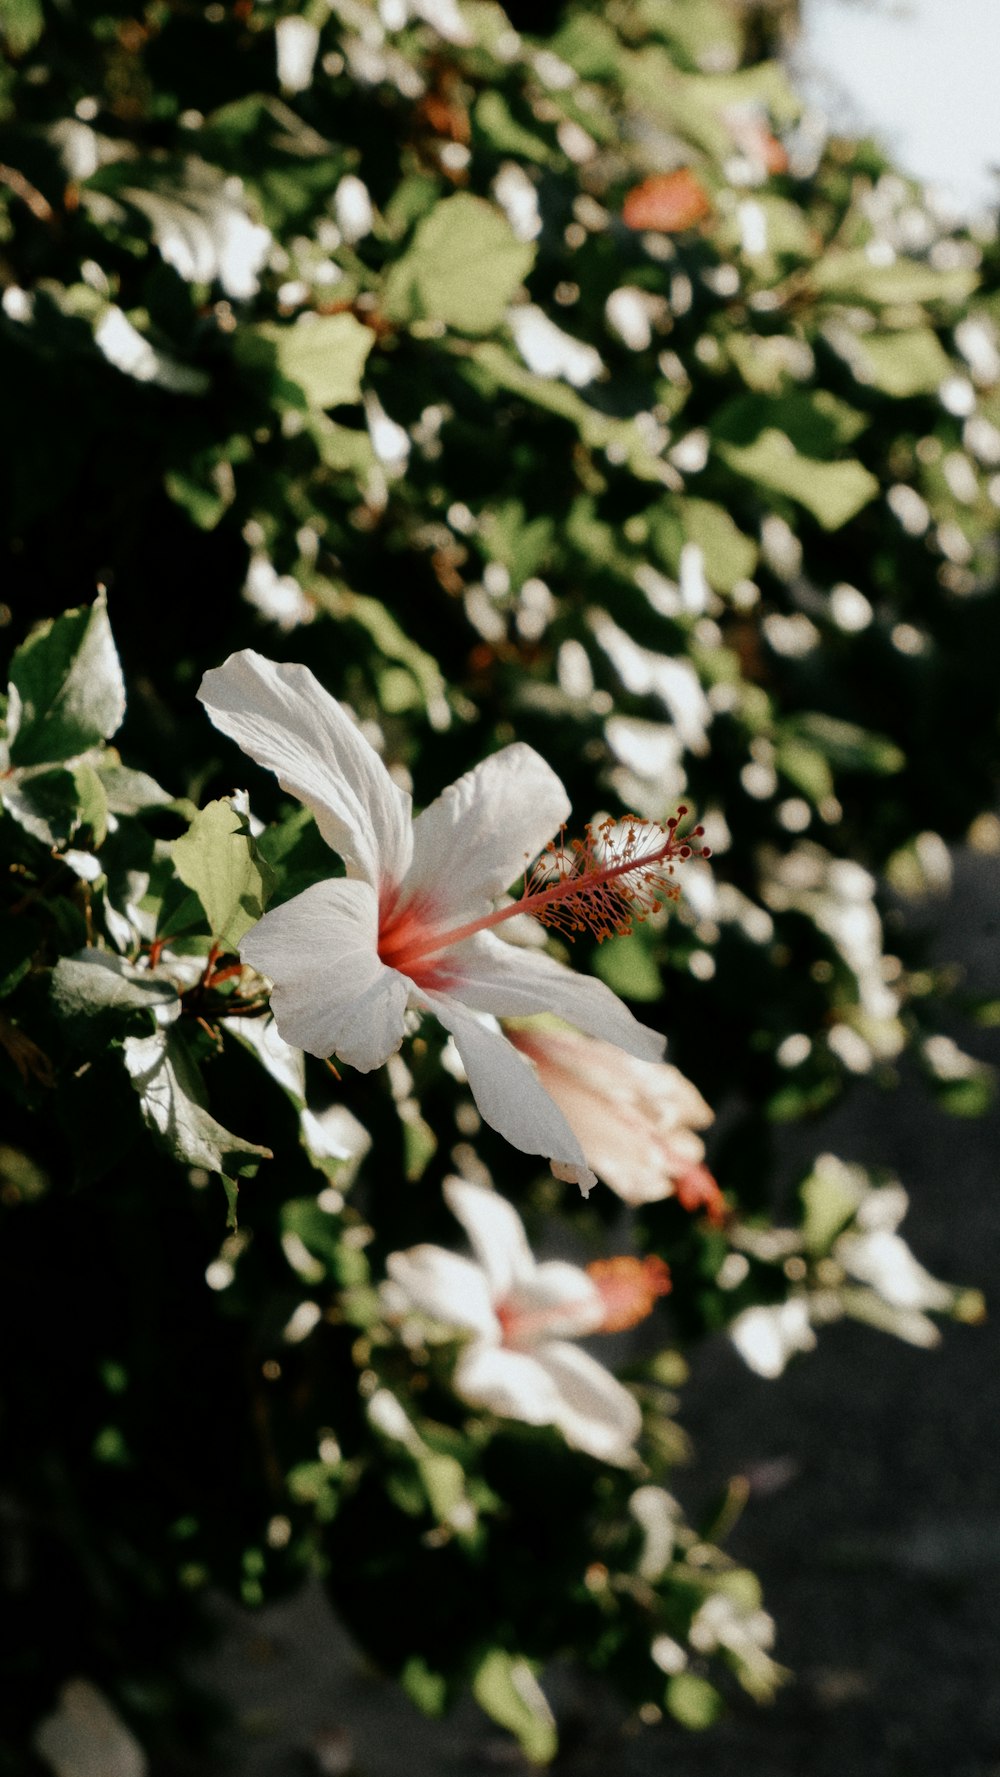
(407, 937)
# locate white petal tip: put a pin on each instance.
(571, 1174)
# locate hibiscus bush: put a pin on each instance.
(531, 401)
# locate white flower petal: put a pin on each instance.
(282, 717)
(495, 1233)
(484, 830)
(511, 982)
(595, 1413)
(297, 41)
(557, 1301)
(446, 19)
(548, 351)
(445, 1286)
(635, 1120)
(352, 206)
(84, 1737)
(509, 1383)
(331, 993)
(767, 1337)
(507, 1092)
(884, 1261)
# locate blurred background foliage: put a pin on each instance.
(539, 373)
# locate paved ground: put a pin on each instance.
(873, 1521)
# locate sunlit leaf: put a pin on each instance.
(94, 984)
(462, 267)
(507, 1689)
(853, 276)
(171, 1098)
(217, 858)
(325, 355)
(832, 492)
(66, 687)
(692, 1701)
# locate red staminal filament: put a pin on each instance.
(602, 883)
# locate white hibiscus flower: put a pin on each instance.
(635, 1120)
(521, 1315)
(408, 926)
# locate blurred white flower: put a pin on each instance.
(279, 597)
(635, 1120)
(875, 1254)
(692, 580)
(658, 1516)
(767, 1337)
(445, 18)
(649, 776)
(352, 207)
(838, 895)
(518, 199)
(548, 351)
(673, 681)
(631, 313)
(131, 353)
(521, 1315)
(85, 1738)
(409, 926)
(746, 1632)
(391, 443)
(296, 41)
(203, 230)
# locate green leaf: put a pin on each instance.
(729, 555)
(66, 688)
(847, 746)
(170, 1097)
(832, 492)
(95, 984)
(129, 791)
(462, 267)
(444, 1479)
(627, 966)
(692, 1701)
(44, 803)
(830, 1196)
(969, 1097)
(21, 24)
(426, 1688)
(854, 277)
(204, 505)
(495, 120)
(490, 366)
(706, 30)
(217, 858)
(806, 768)
(505, 1686)
(391, 641)
(694, 105)
(91, 803)
(324, 354)
(913, 362)
(817, 423)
